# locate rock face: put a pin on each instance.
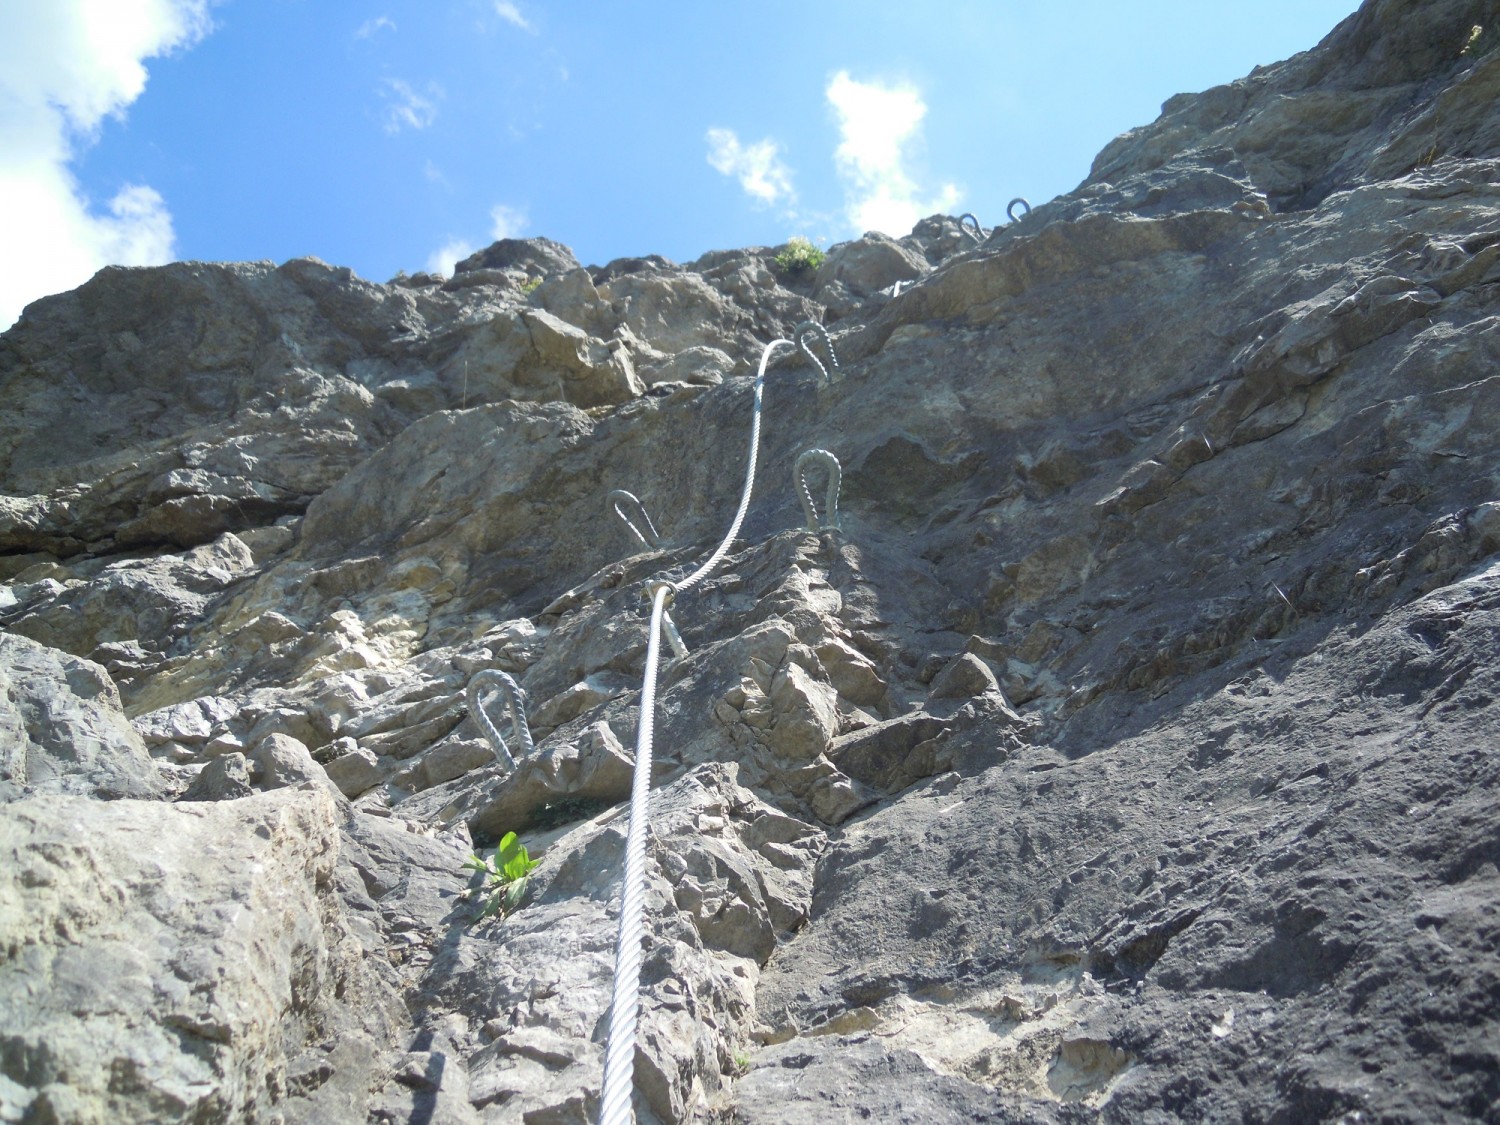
(181, 962)
(1128, 755)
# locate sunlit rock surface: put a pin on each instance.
(1128, 755)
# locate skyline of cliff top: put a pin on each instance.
(401, 136)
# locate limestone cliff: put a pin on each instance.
(1128, 754)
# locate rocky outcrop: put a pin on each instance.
(182, 962)
(1123, 756)
(62, 730)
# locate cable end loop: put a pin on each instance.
(649, 593)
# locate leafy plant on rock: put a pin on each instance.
(505, 875)
(799, 254)
(1482, 40)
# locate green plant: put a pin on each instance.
(505, 875)
(529, 287)
(742, 1062)
(799, 254)
(1482, 40)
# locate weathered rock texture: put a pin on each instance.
(1130, 756)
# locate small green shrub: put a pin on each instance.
(529, 287)
(506, 871)
(1482, 40)
(799, 254)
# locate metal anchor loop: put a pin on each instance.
(627, 503)
(814, 327)
(806, 461)
(491, 679)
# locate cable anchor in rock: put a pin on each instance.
(807, 460)
(1010, 209)
(668, 626)
(490, 679)
(977, 231)
(621, 500)
(814, 327)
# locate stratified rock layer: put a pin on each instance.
(1127, 754)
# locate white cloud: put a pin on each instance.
(370, 27)
(758, 167)
(511, 14)
(506, 222)
(876, 123)
(407, 109)
(445, 257)
(65, 66)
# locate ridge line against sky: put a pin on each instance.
(405, 134)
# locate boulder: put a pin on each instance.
(869, 264)
(532, 257)
(62, 729)
(196, 947)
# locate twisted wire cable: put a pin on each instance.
(625, 1003)
(515, 698)
(807, 460)
(1010, 209)
(650, 538)
(739, 516)
(977, 233)
(800, 333)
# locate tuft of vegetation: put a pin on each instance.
(799, 254)
(1482, 40)
(529, 287)
(505, 875)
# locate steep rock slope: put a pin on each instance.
(1126, 754)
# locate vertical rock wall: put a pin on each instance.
(1126, 755)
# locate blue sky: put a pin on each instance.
(392, 135)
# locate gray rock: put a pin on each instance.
(869, 1080)
(964, 677)
(1121, 760)
(587, 772)
(62, 730)
(198, 948)
(700, 366)
(454, 759)
(225, 778)
(355, 772)
(870, 263)
(147, 603)
(674, 312)
(534, 257)
(571, 297)
(221, 347)
(279, 760)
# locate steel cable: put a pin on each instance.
(650, 538)
(811, 457)
(625, 1002)
(515, 699)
